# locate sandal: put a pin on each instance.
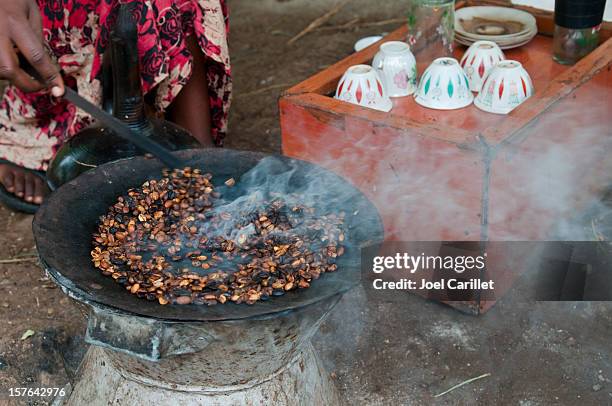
(13, 202)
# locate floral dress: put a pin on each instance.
(33, 126)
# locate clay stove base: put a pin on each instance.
(302, 382)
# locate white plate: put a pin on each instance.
(509, 36)
(500, 41)
(502, 46)
(366, 42)
(496, 38)
(494, 13)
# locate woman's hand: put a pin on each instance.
(22, 32)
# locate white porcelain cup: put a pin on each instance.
(362, 85)
(478, 60)
(506, 86)
(444, 86)
(397, 66)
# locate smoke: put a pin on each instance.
(306, 198)
(436, 182)
(556, 174)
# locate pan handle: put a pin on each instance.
(147, 339)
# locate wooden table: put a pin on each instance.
(466, 174)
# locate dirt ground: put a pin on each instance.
(401, 351)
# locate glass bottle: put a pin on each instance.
(577, 24)
(431, 28)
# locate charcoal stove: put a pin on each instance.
(142, 352)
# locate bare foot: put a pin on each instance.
(191, 107)
(22, 184)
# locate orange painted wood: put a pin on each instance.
(574, 137)
(558, 87)
(425, 125)
(465, 174)
(411, 179)
(551, 170)
(462, 125)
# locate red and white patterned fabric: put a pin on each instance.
(33, 126)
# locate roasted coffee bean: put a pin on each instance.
(130, 202)
(213, 284)
(259, 276)
(117, 261)
(164, 241)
